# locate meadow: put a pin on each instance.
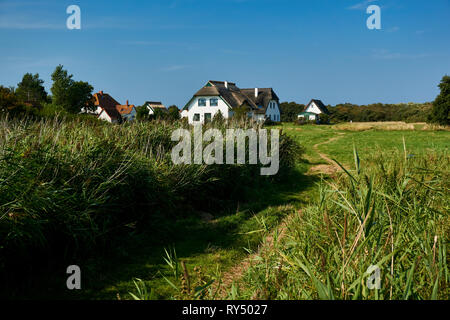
(108, 198)
(387, 206)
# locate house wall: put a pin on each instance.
(313, 108)
(194, 108)
(273, 113)
(104, 116)
(184, 113)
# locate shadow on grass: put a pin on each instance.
(140, 254)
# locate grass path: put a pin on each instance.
(329, 168)
(232, 276)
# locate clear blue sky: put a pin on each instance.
(167, 49)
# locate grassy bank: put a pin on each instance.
(75, 189)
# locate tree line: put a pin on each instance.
(432, 112)
(70, 96)
(30, 97)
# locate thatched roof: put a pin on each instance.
(108, 104)
(236, 97)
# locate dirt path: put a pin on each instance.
(331, 167)
(237, 272)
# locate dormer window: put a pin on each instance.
(202, 102)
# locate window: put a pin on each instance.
(202, 102)
(207, 117)
(196, 116)
(214, 102)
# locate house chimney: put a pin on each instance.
(256, 92)
(226, 84)
(101, 92)
(127, 102)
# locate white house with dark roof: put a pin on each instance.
(225, 97)
(154, 105)
(313, 109)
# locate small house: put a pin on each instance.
(152, 106)
(312, 110)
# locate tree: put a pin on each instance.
(218, 118)
(142, 113)
(80, 96)
(8, 100)
(441, 106)
(290, 110)
(324, 118)
(173, 113)
(62, 82)
(69, 94)
(31, 90)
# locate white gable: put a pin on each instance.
(313, 108)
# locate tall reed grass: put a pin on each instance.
(391, 212)
(70, 186)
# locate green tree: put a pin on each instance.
(173, 113)
(290, 110)
(441, 106)
(80, 96)
(69, 94)
(142, 113)
(62, 82)
(31, 90)
(8, 100)
(218, 118)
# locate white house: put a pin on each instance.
(313, 109)
(108, 109)
(225, 97)
(152, 106)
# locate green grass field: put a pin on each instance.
(263, 281)
(334, 227)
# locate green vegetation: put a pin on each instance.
(290, 110)
(71, 189)
(71, 95)
(441, 106)
(390, 209)
(409, 112)
(31, 90)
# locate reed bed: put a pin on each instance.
(71, 186)
(392, 212)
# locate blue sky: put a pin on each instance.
(165, 50)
